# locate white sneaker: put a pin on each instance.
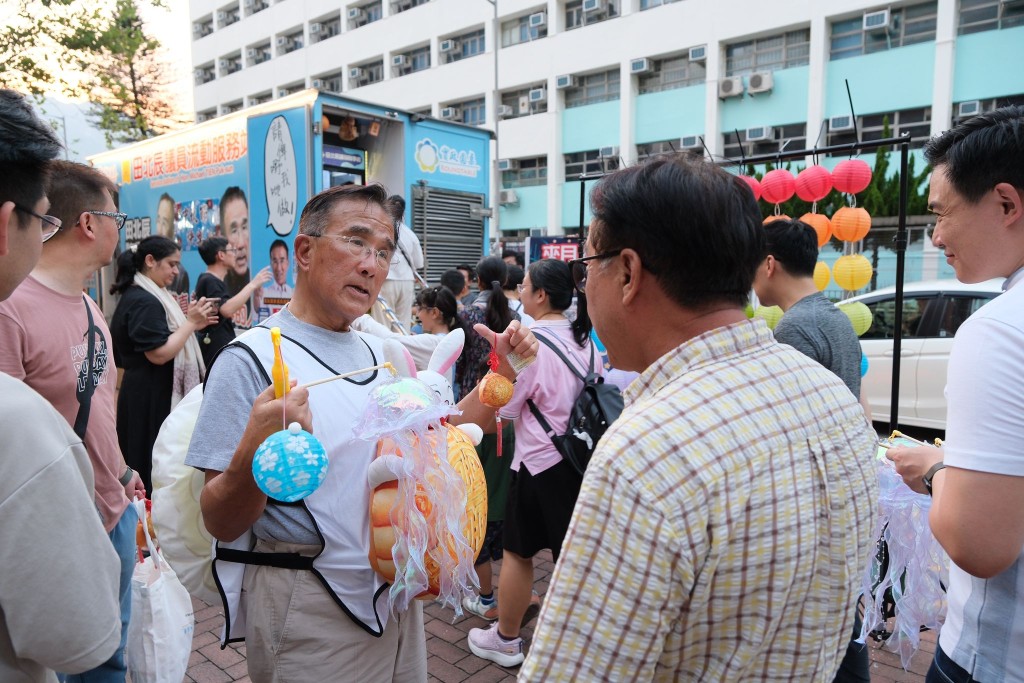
(487, 644)
(474, 605)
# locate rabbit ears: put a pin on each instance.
(447, 352)
(399, 356)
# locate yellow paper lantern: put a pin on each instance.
(852, 271)
(821, 224)
(859, 315)
(821, 275)
(770, 314)
(851, 223)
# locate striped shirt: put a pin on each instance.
(722, 526)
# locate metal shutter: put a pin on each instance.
(444, 222)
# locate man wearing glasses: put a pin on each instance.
(54, 618)
(723, 522)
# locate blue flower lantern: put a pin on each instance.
(290, 464)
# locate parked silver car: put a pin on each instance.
(932, 312)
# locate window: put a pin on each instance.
(653, 149)
(986, 106)
(471, 112)
(593, 88)
(518, 30)
(291, 88)
(576, 16)
(403, 5)
(206, 115)
(289, 43)
(411, 61)
(232, 107)
(986, 15)
(328, 82)
(205, 73)
(648, 4)
(527, 173)
(255, 6)
(672, 72)
(202, 28)
(260, 98)
(325, 28)
(917, 122)
(257, 54)
(883, 316)
(522, 104)
(765, 54)
(581, 163)
(460, 47)
(372, 72)
(231, 64)
(361, 15)
(790, 137)
(907, 25)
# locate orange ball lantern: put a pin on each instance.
(851, 176)
(851, 224)
(821, 275)
(775, 217)
(777, 186)
(852, 272)
(753, 183)
(813, 183)
(821, 224)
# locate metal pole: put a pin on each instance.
(583, 202)
(901, 241)
(495, 104)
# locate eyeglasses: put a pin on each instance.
(360, 249)
(520, 288)
(578, 268)
(119, 218)
(51, 224)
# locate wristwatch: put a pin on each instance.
(128, 472)
(930, 474)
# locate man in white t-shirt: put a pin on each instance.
(399, 287)
(977, 479)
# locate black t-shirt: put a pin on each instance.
(215, 337)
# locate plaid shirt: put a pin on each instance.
(722, 526)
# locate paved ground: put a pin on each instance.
(449, 659)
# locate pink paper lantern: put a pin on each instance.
(851, 176)
(777, 186)
(755, 186)
(813, 183)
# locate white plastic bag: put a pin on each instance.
(160, 631)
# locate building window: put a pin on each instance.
(766, 54)
(474, 112)
(907, 25)
(231, 64)
(232, 107)
(260, 98)
(285, 90)
(648, 4)
(526, 173)
(916, 122)
(972, 108)
(257, 54)
(328, 82)
(765, 140)
(365, 74)
(653, 149)
(403, 5)
(460, 47)
(986, 15)
(524, 102)
(202, 28)
(254, 6)
(361, 15)
(583, 163)
(205, 73)
(671, 73)
(206, 115)
(410, 62)
(593, 88)
(328, 27)
(227, 16)
(596, 11)
(523, 29)
(289, 43)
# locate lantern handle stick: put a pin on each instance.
(853, 117)
(383, 366)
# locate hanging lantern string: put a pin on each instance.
(383, 366)
(492, 363)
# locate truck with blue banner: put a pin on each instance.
(246, 176)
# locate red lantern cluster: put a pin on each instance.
(851, 176)
(755, 185)
(813, 183)
(777, 186)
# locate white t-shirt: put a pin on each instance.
(410, 251)
(984, 629)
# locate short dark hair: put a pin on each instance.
(793, 244)
(317, 211)
(517, 255)
(278, 243)
(74, 188)
(210, 247)
(469, 269)
(454, 280)
(982, 152)
(399, 201)
(515, 277)
(27, 145)
(696, 227)
(230, 194)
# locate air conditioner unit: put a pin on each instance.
(760, 134)
(592, 6)
(223, 63)
(641, 66)
(840, 123)
(505, 111)
(565, 81)
(197, 30)
(315, 27)
(538, 19)
(538, 94)
(690, 142)
(222, 17)
(730, 87)
(969, 108)
(877, 21)
(608, 152)
(506, 197)
(355, 73)
(199, 73)
(450, 45)
(759, 82)
(450, 113)
(399, 60)
(284, 41)
(318, 83)
(524, 104)
(251, 53)
(507, 164)
(247, 4)
(698, 53)
(356, 13)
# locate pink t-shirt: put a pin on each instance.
(44, 336)
(553, 388)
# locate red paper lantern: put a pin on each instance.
(850, 224)
(851, 176)
(821, 224)
(777, 186)
(755, 186)
(813, 183)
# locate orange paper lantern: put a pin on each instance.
(755, 185)
(821, 224)
(777, 186)
(813, 183)
(851, 176)
(850, 224)
(852, 271)
(775, 217)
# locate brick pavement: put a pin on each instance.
(448, 657)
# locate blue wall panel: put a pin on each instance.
(670, 114)
(590, 127)
(530, 212)
(979, 56)
(786, 103)
(883, 81)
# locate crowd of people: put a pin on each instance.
(719, 533)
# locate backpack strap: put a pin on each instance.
(558, 352)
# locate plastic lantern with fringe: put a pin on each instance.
(851, 223)
(821, 275)
(859, 315)
(290, 464)
(813, 183)
(777, 186)
(769, 314)
(775, 217)
(851, 176)
(852, 271)
(821, 224)
(753, 183)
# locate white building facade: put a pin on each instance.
(576, 87)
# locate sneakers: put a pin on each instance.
(487, 644)
(475, 606)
